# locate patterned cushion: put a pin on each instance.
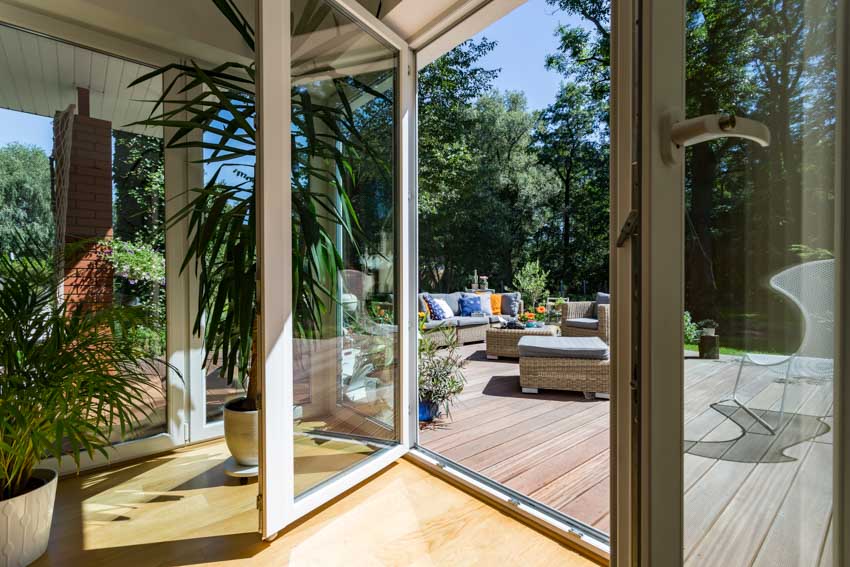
(469, 304)
(437, 313)
(446, 311)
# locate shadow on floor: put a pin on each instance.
(168, 553)
(508, 386)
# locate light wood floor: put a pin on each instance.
(741, 508)
(180, 509)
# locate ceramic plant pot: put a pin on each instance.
(428, 411)
(241, 433)
(25, 521)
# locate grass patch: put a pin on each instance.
(723, 350)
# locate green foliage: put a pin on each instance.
(692, 332)
(530, 281)
(25, 199)
(222, 214)
(138, 175)
(69, 378)
(441, 376)
(134, 261)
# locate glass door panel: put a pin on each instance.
(759, 326)
(346, 369)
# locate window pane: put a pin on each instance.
(344, 243)
(760, 286)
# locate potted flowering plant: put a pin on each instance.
(528, 318)
(540, 314)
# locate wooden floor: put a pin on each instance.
(180, 509)
(751, 498)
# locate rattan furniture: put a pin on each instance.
(578, 364)
(464, 335)
(585, 319)
(503, 342)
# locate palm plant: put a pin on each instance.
(213, 110)
(70, 377)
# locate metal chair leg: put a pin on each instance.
(741, 405)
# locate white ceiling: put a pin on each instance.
(41, 76)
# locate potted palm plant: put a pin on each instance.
(220, 123)
(70, 379)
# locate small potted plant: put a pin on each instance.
(441, 376)
(528, 318)
(482, 281)
(708, 327)
(540, 315)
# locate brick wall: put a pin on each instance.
(88, 276)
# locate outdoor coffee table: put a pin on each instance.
(503, 342)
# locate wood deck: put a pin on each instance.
(751, 498)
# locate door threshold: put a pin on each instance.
(585, 540)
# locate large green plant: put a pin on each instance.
(69, 376)
(214, 110)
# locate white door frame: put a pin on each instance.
(278, 504)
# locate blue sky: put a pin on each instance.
(27, 129)
(525, 37)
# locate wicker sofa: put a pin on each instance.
(468, 329)
(586, 319)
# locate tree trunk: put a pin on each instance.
(701, 285)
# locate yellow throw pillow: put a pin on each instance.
(496, 303)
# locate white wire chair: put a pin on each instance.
(811, 287)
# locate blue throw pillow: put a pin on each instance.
(437, 313)
(469, 305)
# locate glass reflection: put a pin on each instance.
(344, 241)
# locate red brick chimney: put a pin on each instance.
(88, 276)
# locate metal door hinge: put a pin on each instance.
(259, 501)
(185, 432)
(629, 228)
(259, 402)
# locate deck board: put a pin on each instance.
(554, 447)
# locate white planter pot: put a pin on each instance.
(708, 332)
(25, 522)
(241, 433)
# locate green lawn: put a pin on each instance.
(723, 350)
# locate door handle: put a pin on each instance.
(708, 127)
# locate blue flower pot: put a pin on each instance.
(428, 411)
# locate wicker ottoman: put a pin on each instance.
(503, 342)
(564, 363)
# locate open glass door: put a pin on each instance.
(335, 283)
(736, 292)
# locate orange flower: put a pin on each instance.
(541, 309)
(530, 315)
(381, 312)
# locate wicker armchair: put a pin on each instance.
(585, 319)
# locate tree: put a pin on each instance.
(447, 164)
(25, 199)
(566, 140)
(531, 282)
